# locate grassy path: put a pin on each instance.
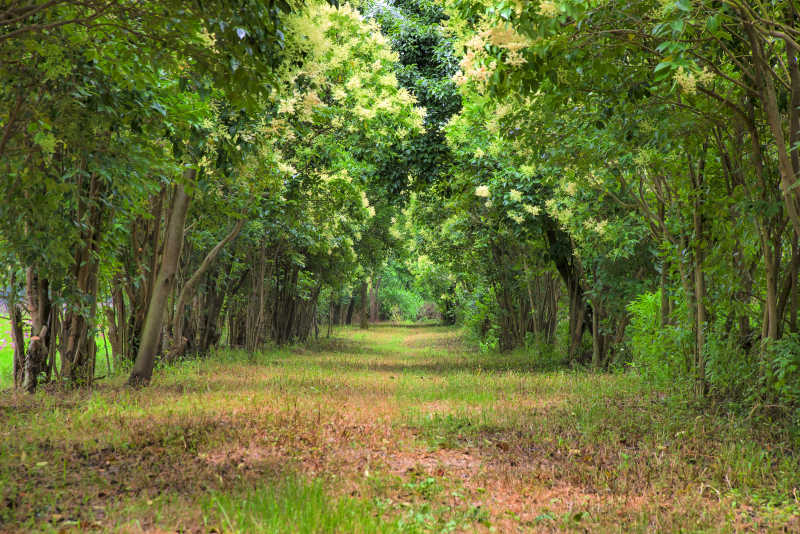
(391, 430)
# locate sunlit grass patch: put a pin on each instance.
(294, 505)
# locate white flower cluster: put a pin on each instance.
(687, 80)
(533, 210)
(598, 227)
(548, 8)
(286, 168)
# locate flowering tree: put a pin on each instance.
(648, 123)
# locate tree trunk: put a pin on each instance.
(700, 292)
(350, 309)
(78, 342)
(189, 287)
(39, 306)
(771, 277)
(330, 315)
(597, 341)
(209, 335)
(687, 281)
(364, 323)
(793, 297)
(545, 294)
(772, 113)
(115, 318)
(577, 317)
(80, 349)
(137, 282)
(145, 358)
(561, 252)
(374, 304)
(699, 275)
(662, 280)
(788, 287)
(17, 337)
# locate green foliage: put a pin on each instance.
(400, 304)
(477, 313)
(732, 372)
(779, 386)
(660, 353)
(426, 62)
(581, 181)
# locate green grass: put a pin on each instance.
(7, 356)
(396, 429)
(293, 505)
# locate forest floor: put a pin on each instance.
(396, 429)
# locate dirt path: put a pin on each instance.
(430, 436)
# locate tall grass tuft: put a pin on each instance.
(293, 505)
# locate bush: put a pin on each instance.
(430, 312)
(780, 378)
(477, 313)
(400, 304)
(730, 371)
(660, 354)
(663, 356)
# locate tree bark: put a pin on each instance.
(697, 176)
(39, 306)
(330, 316)
(793, 297)
(769, 101)
(189, 287)
(561, 252)
(364, 323)
(350, 309)
(145, 358)
(597, 341)
(78, 342)
(374, 304)
(771, 278)
(662, 279)
(17, 337)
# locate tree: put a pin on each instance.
(69, 68)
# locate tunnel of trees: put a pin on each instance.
(615, 181)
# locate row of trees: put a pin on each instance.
(177, 172)
(241, 173)
(645, 154)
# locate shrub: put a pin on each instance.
(779, 384)
(660, 354)
(400, 304)
(477, 313)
